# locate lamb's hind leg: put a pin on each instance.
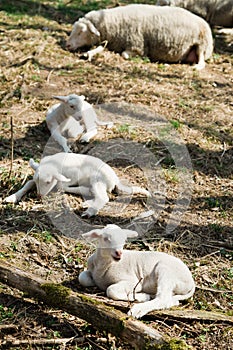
(99, 191)
(73, 128)
(164, 297)
(125, 291)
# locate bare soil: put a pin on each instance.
(195, 106)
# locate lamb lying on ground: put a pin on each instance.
(64, 118)
(155, 279)
(215, 12)
(76, 173)
(160, 33)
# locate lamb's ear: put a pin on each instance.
(93, 234)
(61, 98)
(82, 97)
(61, 178)
(130, 233)
(92, 28)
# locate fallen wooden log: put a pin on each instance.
(102, 317)
(171, 314)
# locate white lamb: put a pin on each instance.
(76, 173)
(64, 119)
(161, 33)
(215, 12)
(155, 279)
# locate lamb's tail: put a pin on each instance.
(185, 296)
(132, 189)
(100, 123)
(34, 165)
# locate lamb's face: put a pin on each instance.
(112, 242)
(46, 177)
(45, 182)
(80, 36)
(74, 104)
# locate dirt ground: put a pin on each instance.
(174, 126)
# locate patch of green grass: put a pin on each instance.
(213, 202)
(123, 127)
(36, 78)
(13, 246)
(168, 161)
(46, 236)
(139, 59)
(175, 123)
(171, 175)
(201, 305)
(161, 66)
(5, 313)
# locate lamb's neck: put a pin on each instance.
(62, 111)
(103, 255)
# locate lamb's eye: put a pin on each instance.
(106, 239)
(71, 106)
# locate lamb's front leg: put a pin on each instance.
(56, 134)
(126, 291)
(101, 198)
(141, 309)
(15, 197)
(85, 279)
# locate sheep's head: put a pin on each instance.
(111, 240)
(46, 178)
(84, 33)
(72, 103)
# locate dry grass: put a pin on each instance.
(197, 106)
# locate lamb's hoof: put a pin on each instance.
(83, 140)
(136, 311)
(86, 204)
(11, 199)
(110, 125)
(89, 212)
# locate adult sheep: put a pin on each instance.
(161, 33)
(215, 12)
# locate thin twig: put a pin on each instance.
(214, 290)
(134, 290)
(224, 150)
(42, 341)
(8, 327)
(12, 147)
